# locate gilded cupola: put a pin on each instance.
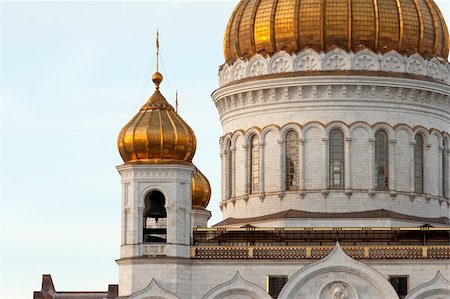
(201, 190)
(269, 26)
(157, 134)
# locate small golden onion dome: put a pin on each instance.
(157, 134)
(201, 190)
(268, 26)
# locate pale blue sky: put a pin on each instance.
(72, 74)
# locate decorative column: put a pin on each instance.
(261, 170)
(447, 173)
(391, 162)
(282, 171)
(412, 187)
(347, 165)
(246, 170)
(427, 171)
(301, 170)
(325, 170)
(441, 191)
(223, 157)
(233, 171)
(371, 166)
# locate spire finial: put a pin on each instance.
(157, 50)
(176, 101)
(157, 77)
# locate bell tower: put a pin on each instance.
(163, 194)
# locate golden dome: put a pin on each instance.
(157, 134)
(201, 190)
(268, 26)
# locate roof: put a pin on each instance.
(48, 291)
(296, 214)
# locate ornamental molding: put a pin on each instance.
(337, 59)
(356, 89)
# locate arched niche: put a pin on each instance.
(155, 217)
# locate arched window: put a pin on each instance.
(336, 159)
(381, 161)
(155, 216)
(445, 177)
(418, 163)
(254, 164)
(291, 154)
(229, 170)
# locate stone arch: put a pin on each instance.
(224, 141)
(437, 134)
(337, 267)
(311, 125)
(151, 188)
(153, 291)
(269, 128)
(359, 125)
(336, 125)
(235, 136)
(237, 286)
(438, 286)
(288, 127)
(250, 132)
(385, 127)
(403, 127)
(424, 132)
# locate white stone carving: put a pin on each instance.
(438, 287)
(335, 266)
(153, 290)
(227, 74)
(238, 70)
(336, 59)
(446, 73)
(308, 60)
(237, 287)
(281, 62)
(393, 62)
(415, 64)
(257, 66)
(434, 68)
(366, 60)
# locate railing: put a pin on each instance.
(318, 252)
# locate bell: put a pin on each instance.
(154, 206)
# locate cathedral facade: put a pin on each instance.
(335, 162)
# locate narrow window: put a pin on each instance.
(418, 164)
(275, 284)
(230, 170)
(445, 177)
(336, 162)
(400, 284)
(155, 216)
(381, 161)
(254, 164)
(291, 153)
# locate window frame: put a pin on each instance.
(336, 156)
(291, 166)
(385, 159)
(254, 171)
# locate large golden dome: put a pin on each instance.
(201, 190)
(268, 26)
(157, 134)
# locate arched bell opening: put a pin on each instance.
(155, 217)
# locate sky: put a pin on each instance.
(72, 74)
